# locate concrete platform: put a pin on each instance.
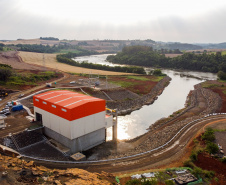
(59, 146)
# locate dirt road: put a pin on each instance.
(175, 150)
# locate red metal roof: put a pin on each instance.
(69, 105)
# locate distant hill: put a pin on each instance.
(184, 46)
(213, 46)
(114, 46)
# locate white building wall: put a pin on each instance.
(109, 121)
(87, 124)
(72, 129)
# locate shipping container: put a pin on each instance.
(17, 107)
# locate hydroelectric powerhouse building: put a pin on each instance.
(75, 120)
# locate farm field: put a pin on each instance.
(51, 62)
(31, 41)
(172, 55)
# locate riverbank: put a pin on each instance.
(126, 102)
(200, 102)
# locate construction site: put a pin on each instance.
(62, 123)
(57, 124)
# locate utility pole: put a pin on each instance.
(43, 61)
(106, 82)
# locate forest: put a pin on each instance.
(146, 56)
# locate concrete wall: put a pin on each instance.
(82, 143)
(108, 121)
(72, 129)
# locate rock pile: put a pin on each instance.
(133, 103)
(26, 138)
(28, 173)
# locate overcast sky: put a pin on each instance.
(193, 21)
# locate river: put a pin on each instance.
(172, 99)
(96, 59)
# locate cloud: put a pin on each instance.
(206, 27)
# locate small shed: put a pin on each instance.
(2, 121)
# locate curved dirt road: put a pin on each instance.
(161, 157)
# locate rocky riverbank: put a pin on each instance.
(125, 104)
(200, 102)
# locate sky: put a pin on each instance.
(193, 21)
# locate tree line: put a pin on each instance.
(66, 58)
(39, 48)
(145, 56)
(2, 46)
(49, 38)
(5, 72)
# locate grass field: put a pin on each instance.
(141, 78)
(222, 52)
(51, 62)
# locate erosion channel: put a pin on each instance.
(172, 99)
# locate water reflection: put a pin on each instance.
(96, 59)
(172, 99)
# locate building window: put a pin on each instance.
(64, 110)
(36, 99)
(54, 106)
(44, 102)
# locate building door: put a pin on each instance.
(39, 117)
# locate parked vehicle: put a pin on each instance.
(6, 110)
(9, 104)
(7, 113)
(17, 107)
(21, 95)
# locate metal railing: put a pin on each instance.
(131, 156)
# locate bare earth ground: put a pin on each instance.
(172, 55)
(221, 139)
(11, 58)
(41, 175)
(209, 163)
(50, 61)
